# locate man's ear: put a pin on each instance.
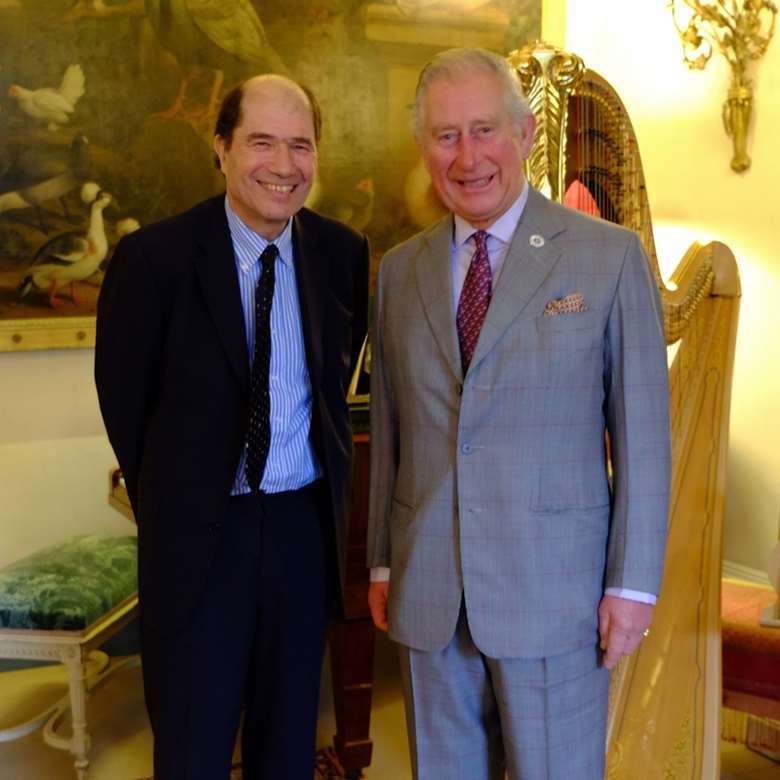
(218, 145)
(526, 135)
(423, 155)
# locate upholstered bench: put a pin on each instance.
(60, 604)
(751, 668)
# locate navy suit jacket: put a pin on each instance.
(172, 373)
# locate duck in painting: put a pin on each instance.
(53, 105)
(70, 257)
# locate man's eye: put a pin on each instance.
(446, 138)
(485, 130)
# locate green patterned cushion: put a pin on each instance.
(68, 586)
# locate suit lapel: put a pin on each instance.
(311, 276)
(434, 280)
(215, 266)
(530, 258)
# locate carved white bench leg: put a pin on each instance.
(78, 742)
(78, 708)
(86, 670)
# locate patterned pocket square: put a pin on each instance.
(573, 303)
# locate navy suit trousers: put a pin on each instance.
(256, 642)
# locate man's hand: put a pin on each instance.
(377, 603)
(622, 626)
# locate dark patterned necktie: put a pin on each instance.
(258, 437)
(474, 300)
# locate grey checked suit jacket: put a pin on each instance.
(493, 486)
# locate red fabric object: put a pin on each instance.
(751, 653)
(578, 197)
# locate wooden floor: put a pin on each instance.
(121, 745)
(739, 763)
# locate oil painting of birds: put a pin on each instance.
(70, 257)
(52, 105)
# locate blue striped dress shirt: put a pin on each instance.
(291, 460)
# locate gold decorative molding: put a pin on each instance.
(680, 759)
(741, 30)
(549, 76)
(47, 333)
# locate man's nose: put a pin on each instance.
(467, 151)
(282, 160)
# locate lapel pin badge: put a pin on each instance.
(536, 241)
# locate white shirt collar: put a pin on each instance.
(503, 228)
(249, 244)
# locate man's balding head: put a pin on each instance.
(268, 84)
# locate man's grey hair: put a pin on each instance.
(454, 63)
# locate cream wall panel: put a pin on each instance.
(54, 455)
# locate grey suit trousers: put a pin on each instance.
(471, 717)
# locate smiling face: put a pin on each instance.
(270, 162)
(473, 149)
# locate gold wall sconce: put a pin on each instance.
(742, 30)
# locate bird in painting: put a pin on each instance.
(52, 105)
(70, 257)
(210, 34)
(122, 228)
(37, 174)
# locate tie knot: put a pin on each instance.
(269, 254)
(480, 239)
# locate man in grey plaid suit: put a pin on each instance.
(508, 337)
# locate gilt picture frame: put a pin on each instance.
(107, 110)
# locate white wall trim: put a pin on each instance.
(740, 572)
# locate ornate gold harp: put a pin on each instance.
(664, 716)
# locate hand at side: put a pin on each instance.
(622, 626)
(377, 603)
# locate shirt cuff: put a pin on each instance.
(631, 595)
(380, 574)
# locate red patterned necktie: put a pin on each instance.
(474, 300)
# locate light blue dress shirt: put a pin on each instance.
(291, 462)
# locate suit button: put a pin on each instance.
(465, 449)
(214, 527)
(459, 388)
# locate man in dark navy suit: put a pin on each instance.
(225, 340)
